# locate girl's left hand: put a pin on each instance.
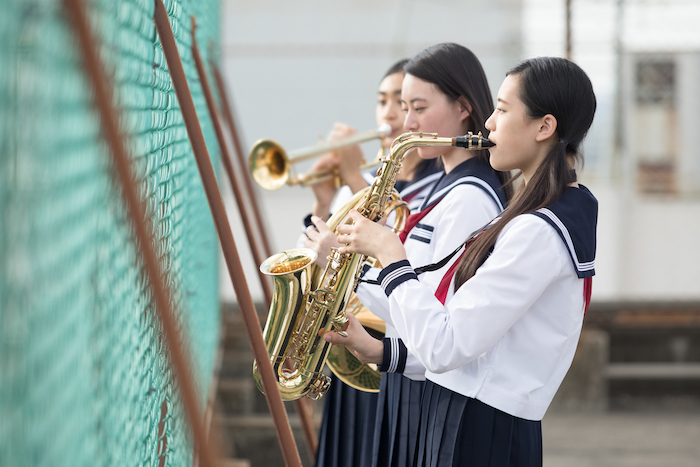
(366, 348)
(370, 238)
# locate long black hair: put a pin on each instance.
(558, 87)
(457, 72)
(397, 67)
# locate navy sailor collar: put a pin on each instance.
(427, 175)
(574, 217)
(474, 171)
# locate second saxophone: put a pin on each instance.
(304, 307)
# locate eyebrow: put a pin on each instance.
(396, 92)
(413, 100)
(501, 100)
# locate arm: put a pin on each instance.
(527, 258)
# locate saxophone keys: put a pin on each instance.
(339, 323)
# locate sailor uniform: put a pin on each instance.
(413, 192)
(507, 336)
(462, 201)
(347, 429)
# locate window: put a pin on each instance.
(655, 120)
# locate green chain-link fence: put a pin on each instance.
(84, 374)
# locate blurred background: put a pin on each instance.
(84, 377)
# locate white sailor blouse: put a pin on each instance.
(460, 203)
(508, 335)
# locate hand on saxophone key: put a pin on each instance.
(370, 238)
(321, 239)
(366, 348)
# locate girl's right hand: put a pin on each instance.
(350, 158)
(321, 239)
(324, 191)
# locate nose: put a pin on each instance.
(490, 122)
(410, 123)
(391, 112)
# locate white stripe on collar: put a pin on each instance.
(471, 179)
(587, 266)
(422, 183)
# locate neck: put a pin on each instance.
(456, 156)
(544, 149)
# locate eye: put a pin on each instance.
(500, 110)
(418, 109)
(381, 102)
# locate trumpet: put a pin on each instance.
(271, 165)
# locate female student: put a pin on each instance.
(497, 351)
(413, 181)
(347, 429)
(445, 91)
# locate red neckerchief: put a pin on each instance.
(414, 219)
(444, 286)
(410, 196)
(587, 289)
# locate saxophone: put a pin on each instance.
(305, 307)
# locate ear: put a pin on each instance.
(547, 129)
(465, 106)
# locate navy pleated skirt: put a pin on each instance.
(456, 430)
(398, 417)
(347, 429)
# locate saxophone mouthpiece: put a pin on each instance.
(472, 141)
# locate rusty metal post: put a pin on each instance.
(242, 163)
(245, 301)
(137, 212)
(307, 425)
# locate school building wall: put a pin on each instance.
(294, 70)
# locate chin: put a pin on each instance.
(429, 152)
(494, 162)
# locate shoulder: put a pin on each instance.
(532, 233)
(527, 225)
(467, 196)
(530, 240)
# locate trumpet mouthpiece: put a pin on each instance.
(384, 129)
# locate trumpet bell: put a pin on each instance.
(269, 164)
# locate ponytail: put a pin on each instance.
(547, 86)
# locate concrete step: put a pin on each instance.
(240, 396)
(233, 463)
(653, 371)
(254, 437)
(237, 363)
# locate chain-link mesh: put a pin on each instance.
(84, 375)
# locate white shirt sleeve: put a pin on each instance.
(526, 259)
(373, 297)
